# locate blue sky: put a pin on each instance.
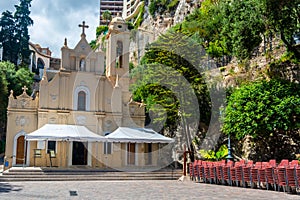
(55, 20)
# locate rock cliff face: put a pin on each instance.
(263, 65)
(151, 28)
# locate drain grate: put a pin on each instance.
(73, 193)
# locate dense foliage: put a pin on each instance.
(162, 6)
(106, 15)
(14, 35)
(11, 79)
(170, 76)
(263, 109)
(236, 28)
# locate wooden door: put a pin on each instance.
(131, 154)
(20, 150)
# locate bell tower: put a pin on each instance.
(117, 52)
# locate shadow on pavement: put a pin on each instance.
(7, 187)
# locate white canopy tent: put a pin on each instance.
(137, 135)
(61, 132)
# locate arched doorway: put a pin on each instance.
(40, 67)
(21, 150)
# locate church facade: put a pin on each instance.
(86, 100)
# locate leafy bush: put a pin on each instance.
(263, 108)
(215, 155)
(101, 30)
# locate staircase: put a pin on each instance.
(52, 174)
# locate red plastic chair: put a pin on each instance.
(261, 176)
(206, 174)
(281, 178)
(284, 163)
(191, 170)
(271, 179)
(239, 175)
(219, 173)
(294, 163)
(291, 179)
(272, 163)
(247, 176)
(250, 163)
(212, 172)
(196, 167)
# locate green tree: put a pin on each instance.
(169, 81)
(242, 26)
(8, 37)
(11, 79)
(268, 112)
(106, 15)
(14, 34)
(283, 16)
(23, 21)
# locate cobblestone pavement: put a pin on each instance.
(132, 190)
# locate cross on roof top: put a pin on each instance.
(83, 26)
(24, 89)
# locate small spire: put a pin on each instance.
(44, 78)
(66, 43)
(117, 82)
(11, 94)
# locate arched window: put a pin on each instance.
(81, 98)
(119, 59)
(40, 67)
(81, 101)
(82, 65)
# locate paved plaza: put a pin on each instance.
(131, 190)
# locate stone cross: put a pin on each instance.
(24, 89)
(83, 26)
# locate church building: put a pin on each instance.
(84, 115)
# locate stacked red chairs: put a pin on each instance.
(226, 172)
(247, 176)
(196, 167)
(297, 176)
(262, 174)
(254, 174)
(294, 163)
(272, 163)
(281, 176)
(219, 173)
(271, 178)
(291, 180)
(250, 163)
(267, 175)
(284, 163)
(212, 172)
(233, 173)
(239, 179)
(206, 174)
(191, 170)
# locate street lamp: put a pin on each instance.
(229, 156)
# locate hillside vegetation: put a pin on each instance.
(239, 34)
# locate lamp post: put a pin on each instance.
(229, 156)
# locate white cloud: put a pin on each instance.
(55, 20)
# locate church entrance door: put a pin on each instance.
(20, 158)
(79, 155)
